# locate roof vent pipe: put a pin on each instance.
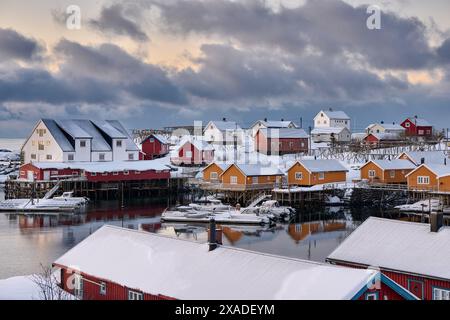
(422, 160)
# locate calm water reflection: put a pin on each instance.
(28, 241)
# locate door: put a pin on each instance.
(416, 288)
(30, 175)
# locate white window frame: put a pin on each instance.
(49, 157)
(103, 288)
(115, 173)
(83, 144)
(101, 157)
(137, 172)
(255, 180)
(374, 295)
(372, 173)
(189, 154)
(119, 143)
(423, 180)
(214, 176)
(105, 174)
(392, 174)
(78, 286)
(441, 294)
(33, 156)
(407, 124)
(321, 175)
(299, 176)
(133, 295)
(71, 157)
(233, 180)
(93, 174)
(131, 156)
(126, 173)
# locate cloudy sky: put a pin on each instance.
(154, 63)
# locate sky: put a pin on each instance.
(156, 63)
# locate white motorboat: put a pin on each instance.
(68, 197)
(222, 217)
(421, 206)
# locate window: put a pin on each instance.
(441, 294)
(420, 132)
(78, 286)
(423, 180)
(255, 180)
(83, 143)
(126, 173)
(298, 176)
(70, 157)
(41, 147)
(372, 173)
(321, 175)
(303, 144)
(49, 157)
(152, 140)
(101, 157)
(74, 173)
(131, 156)
(213, 176)
(233, 180)
(188, 154)
(115, 173)
(132, 295)
(372, 296)
(93, 174)
(291, 145)
(105, 174)
(392, 173)
(119, 143)
(103, 288)
(33, 156)
(137, 172)
(407, 125)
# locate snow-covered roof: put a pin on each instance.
(340, 115)
(322, 165)
(58, 135)
(225, 125)
(275, 124)
(397, 164)
(111, 166)
(98, 142)
(420, 122)
(158, 137)
(72, 129)
(107, 128)
(198, 144)
(284, 133)
(387, 126)
(253, 170)
(328, 130)
(398, 245)
(437, 157)
(182, 269)
(129, 143)
(384, 136)
(221, 165)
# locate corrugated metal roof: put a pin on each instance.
(129, 143)
(72, 129)
(109, 130)
(398, 245)
(98, 142)
(436, 157)
(187, 270)
(253, 170)
(340, 115)
(284, 133)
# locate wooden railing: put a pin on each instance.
(237, 187)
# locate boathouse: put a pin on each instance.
(425, 157)
(250, 177)
(213, 172)
(270, 124)
(430, 177)
(313, 172)
(414, 255)
(95, 171)
(377, 139)
(193, 152)
(281, 141)
(155, 146)
(387, 172)
(417, 127)
(168, 268)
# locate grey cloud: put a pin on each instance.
(333, 27)
(16, 46)
(444, 51)
(114, 20)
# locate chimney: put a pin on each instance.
(224, 119)
(214, 235)
(265, 119)
(422, 160)
(282, 119)
(331, 109)
(436, 221)
(382, 122)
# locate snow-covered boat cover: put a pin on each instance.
(182, 269)
(398, 245)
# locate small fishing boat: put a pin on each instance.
(421, 206)
(222, 217)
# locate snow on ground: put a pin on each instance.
(19, 288)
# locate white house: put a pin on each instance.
(338, 134)
(389, 128)
(79, 141)
(223, 132)
(332, 119)
(269, 124)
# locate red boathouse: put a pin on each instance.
(193, 152)
(119, 264)
(417, 127)
(414, 255)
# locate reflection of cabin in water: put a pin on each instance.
(302, 231)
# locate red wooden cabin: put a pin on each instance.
(155, 146)
(281, 141)
(414, 255)
(417, 127)
(194, 152)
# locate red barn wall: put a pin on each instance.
(131, 176)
